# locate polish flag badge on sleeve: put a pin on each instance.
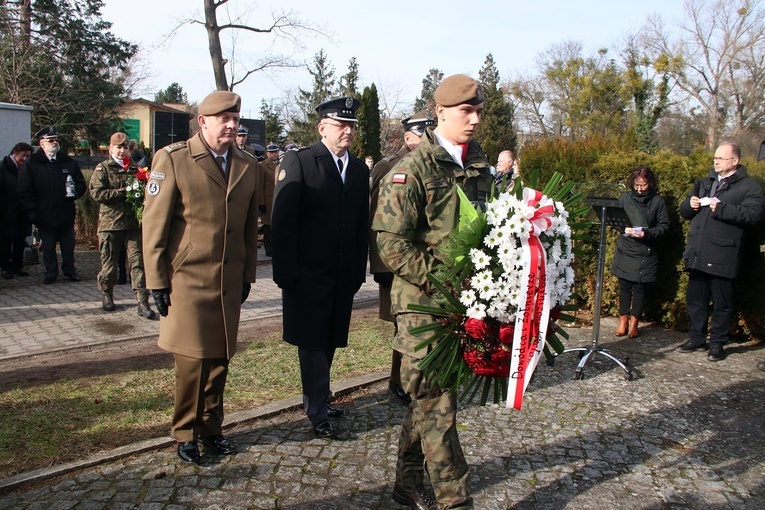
(399, 179)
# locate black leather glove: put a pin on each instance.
(161, 300)
(245, 291)
(384, 279)
(262, 208)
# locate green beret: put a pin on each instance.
(220, 101)
(458, 89)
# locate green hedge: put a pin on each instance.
(597, 161)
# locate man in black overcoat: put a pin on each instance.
(319, 229)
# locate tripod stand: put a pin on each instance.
(611, 214)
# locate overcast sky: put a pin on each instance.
(394, 42)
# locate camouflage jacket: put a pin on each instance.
(418, 208)
(107, 187)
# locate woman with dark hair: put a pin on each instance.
(636, 259)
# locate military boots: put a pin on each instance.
(144, 310)
(108, 301)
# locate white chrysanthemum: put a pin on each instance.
(467, 297)
(477, 311)
(479, 258)
(481, 280)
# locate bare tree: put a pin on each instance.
(283, 26)
(717, 60)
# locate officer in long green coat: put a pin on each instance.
(418, 208)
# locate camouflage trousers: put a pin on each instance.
(429, 437)
(110, 244)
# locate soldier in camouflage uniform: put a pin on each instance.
(418, 208)
(118, 225)
(414, 127)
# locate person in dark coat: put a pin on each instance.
(319, 229)
(49, 183)
(14, 226)
(636, 261)
(720, 207)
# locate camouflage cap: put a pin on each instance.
(118, 139)
(220, 101)
(418, 122)
(458, 89)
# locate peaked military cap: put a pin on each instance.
(341, 108)
(118, 139)
(418, 122)
(220, 101)
(272, 147)
(458, 89)
(257, 147)
(47, 132)
(242, 131)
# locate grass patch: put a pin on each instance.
(44, 423)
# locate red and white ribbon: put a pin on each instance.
(533, 314)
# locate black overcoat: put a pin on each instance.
(715, 237)
(13, 220)
(637, 260)
(319, 229)
(42, 190)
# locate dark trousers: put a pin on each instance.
(314, 374)
(267, 239)
(199, 385)
(12, 253)
(65, 238)
(702, 286)
(631, 297)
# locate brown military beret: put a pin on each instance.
(220, 101)
(458, 89)
(118, 139)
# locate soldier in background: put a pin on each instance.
(241, 140)
(49, 183)
(414, 127)
(417, 210)
(268, 169)
(118, 226)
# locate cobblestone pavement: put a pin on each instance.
(37, 318)
(686, 433)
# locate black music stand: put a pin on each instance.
(611, 214)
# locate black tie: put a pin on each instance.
(340, 165)
(221, 163)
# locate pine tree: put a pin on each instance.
(496, 131)
(275, 131)
(172, 94)
(350, 79)
(429, 85)
(367, 142)
(303, 124)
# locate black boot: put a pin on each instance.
(108, 302)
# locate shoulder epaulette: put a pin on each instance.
(389, 158)
(253, 156)
(175, 146)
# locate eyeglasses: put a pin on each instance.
(722, 159)
(343, 125)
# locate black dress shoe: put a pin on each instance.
(324, 429)
(689, 346)
(220, 444)
(21, 272)
(8, 275)
(49, 279)
(188, 451)
(334, 412)
(74, 277)
(399, 393)
(417, 498)
(716, 352)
